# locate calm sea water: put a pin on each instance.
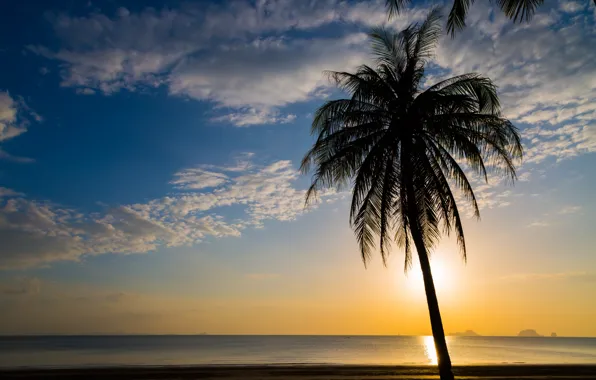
(82, 351)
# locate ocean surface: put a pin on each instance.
(98, 351)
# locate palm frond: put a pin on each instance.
(453, 171)
(368, 171)
(449, 204)
(519, 10)
(395, 7)
(475, 86)
(338, 161)
(457, 16)
(496, 140)
(388, 197)
(428, 34)
(387, 48)
(366, 85)
(366, 220)
(402, 227)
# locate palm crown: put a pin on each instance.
(517, 10)
(401, 146)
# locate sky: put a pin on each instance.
(149, 182)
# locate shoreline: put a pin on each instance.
(306, 372)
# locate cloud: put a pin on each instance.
(491, 195)
(217, 52)
(560, 143)
(35, 233)
(569, 210)
(253, 116)
(243, 57)
(538, 223)
(524, 177)
(546, 72)
(545, 222)
(20, 286)
(571, 6)
(15, 118)
(11, 157)
(6, 192)
(85, 91)
(246, 59)
(195, 179)
(258, 77)
(8, 118)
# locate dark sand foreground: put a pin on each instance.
(310, 372)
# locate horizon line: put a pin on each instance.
(288, 335)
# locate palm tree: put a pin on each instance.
(516, 10)
(401, 147)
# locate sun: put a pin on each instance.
(440, 274)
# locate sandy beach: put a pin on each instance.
(309, 372)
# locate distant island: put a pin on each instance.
(465, 333)
(553, 335)
(528, 333)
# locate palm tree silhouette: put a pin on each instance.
(401, 148)
(517, 10)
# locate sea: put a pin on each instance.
(187, 350)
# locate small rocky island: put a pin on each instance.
(466, 333)
(528, 333)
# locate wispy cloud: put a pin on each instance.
(197, 178)
(4, 155)
(240, 57)
(8, 118)
(524, 177)
(35, 233)
(546, 89)
(538, 224)
(6, 192)
(571, 6)
(570, 210)
(545, 70)
(548, 219)
(220, 54)
(15, 116)
(20, 286)
(216, 53)
(253, 116)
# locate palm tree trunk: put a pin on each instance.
(436, 323)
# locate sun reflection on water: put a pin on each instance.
(430, 351)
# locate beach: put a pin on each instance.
(311, 372)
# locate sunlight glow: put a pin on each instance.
(440, 273)
(430, 350)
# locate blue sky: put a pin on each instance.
(154, 148)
